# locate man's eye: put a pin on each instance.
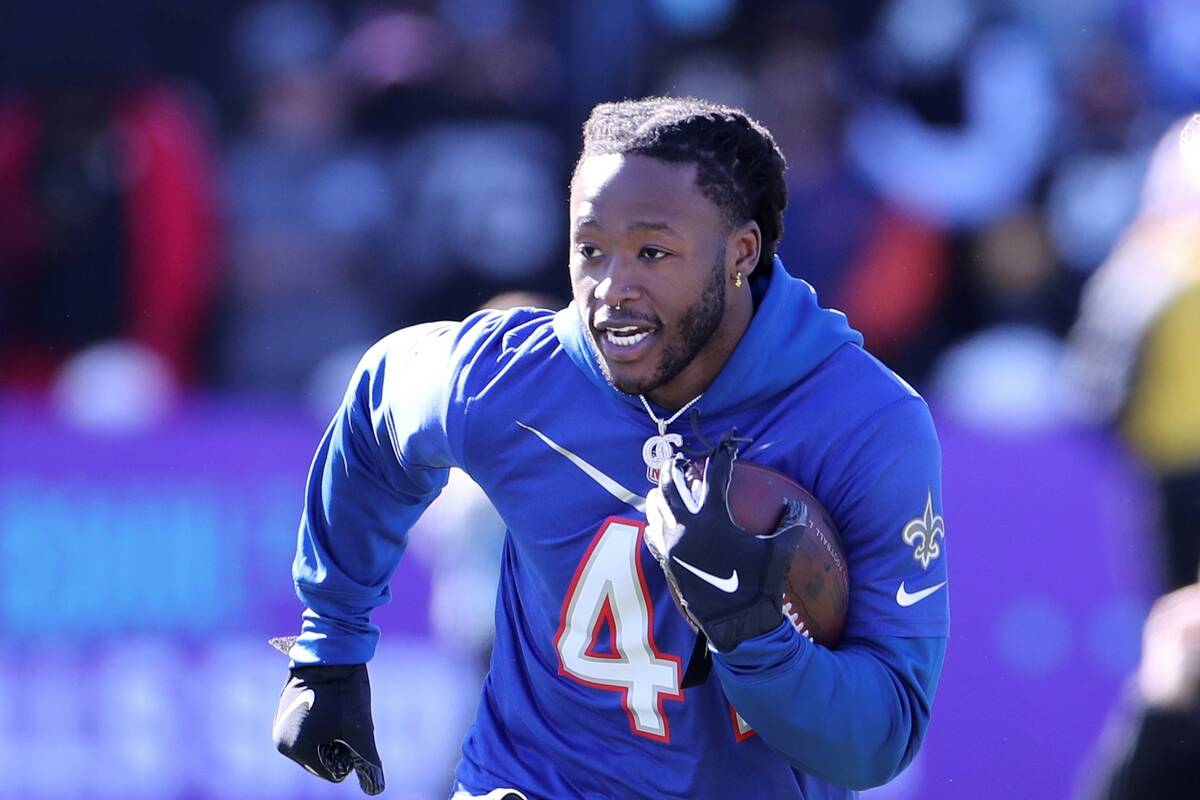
(588, 251)
(653, 254)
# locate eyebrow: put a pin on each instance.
(637, 225)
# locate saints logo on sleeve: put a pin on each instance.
(922, 534)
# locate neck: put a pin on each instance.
(698, 375)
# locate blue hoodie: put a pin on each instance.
(583, 699)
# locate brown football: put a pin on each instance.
(816, 590)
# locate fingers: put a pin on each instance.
(662, 529)
(310, 762)
(718, 472)
(324, 724)
(340, 759)
(679, 496)
(658, 517)
(370, 778)
(795, 516)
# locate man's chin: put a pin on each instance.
(630, 381)
(625, 377)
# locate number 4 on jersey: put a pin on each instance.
(610, 588)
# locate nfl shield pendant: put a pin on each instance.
(657, 452)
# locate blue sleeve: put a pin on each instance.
(385, 456)
(856, 715)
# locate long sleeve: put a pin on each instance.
(385, 456)
(856, 715)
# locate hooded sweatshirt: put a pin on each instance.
(584, 696)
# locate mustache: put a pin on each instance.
(622, 318)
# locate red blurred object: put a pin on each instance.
(166, 250)
(895, 284)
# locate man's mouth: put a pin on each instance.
(625, 342)
(626, 337)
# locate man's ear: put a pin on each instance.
(743, 249)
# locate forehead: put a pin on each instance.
(612, 190)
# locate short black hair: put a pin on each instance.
(738, 165)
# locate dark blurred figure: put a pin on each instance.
(1133, 360)
(1135, 349)
(107, 223)
(1154, 751)
(1003, 376)
(312, 214)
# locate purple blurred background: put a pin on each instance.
(208, 210)
(143, 573)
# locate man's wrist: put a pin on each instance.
(775, 649)
(726, 633)
(323, 672)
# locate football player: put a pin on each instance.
(684, 327)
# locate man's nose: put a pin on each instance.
(619, 284)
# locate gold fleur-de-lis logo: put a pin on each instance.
(923, 533)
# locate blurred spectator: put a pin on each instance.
(885, 267)
(312, 211)
(1152, 748)
(962, 119)
(894, 286)
(712, 73)
(1092, 196)
(480, 200)
(1170, 38)
(797, 92)
(107, 223)
(465, 60)
(1134, 347)
(1003, 375)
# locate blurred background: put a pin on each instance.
(208, 210)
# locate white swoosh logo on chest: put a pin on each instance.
(608, 484)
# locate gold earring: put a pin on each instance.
(737, 281)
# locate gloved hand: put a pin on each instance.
(727, 582)
(324, 724)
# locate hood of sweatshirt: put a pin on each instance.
(789, 335)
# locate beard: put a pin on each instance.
(684, 341)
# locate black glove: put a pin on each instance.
(727, 582)
(324, 724)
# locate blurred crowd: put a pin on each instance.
(242, 196)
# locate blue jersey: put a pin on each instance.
(584, 697)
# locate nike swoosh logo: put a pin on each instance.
(728, 585)
(904, 598)
(608, 484)
(305, 698)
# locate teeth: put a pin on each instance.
(625, 339)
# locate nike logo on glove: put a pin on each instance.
(728, 585)
(305, 698)
(904, 598)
